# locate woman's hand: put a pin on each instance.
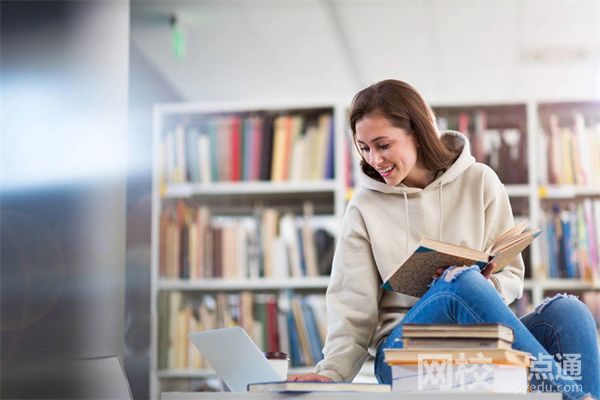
(309, 378)
(439, 272)
(487, 271)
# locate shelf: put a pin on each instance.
(217, 284)
(186, 373)
(560, 284)
(184, 109)
(209, 373)
(364, 375)
(262, 188)
(518, 190)
(320, 200)
(552, 192)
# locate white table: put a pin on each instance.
(356, 396)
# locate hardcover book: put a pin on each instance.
(494, 378)
(414, 275)
(458, 355)
(455, 331)
(457, 343)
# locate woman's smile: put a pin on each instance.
(385, 172)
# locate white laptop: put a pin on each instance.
(234, 357)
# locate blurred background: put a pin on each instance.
(79, 80)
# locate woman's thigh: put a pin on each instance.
(460, 295)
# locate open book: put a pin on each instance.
(414, 275)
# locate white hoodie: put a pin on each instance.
(466, 205)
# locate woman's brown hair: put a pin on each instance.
(405, 108)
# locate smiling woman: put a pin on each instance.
(391, 151)
(420, 182)
(393, 127)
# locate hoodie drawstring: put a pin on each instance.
(441, 208)
(407, 221)
(441, 214)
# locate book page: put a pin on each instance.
(514, 241)
(506, 256)
(509, 234)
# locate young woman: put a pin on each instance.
(417, 182)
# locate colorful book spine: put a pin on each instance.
(572, 146)
(316, 345)
(236, 148)
(571, 240)
(247, 158)
(213, 135)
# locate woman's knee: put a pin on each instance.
(467, 283)
(465, 277)
(565, 307)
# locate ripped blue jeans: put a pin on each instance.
(561, 328)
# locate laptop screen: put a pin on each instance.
(235, 357)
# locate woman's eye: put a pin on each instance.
(384, 146)
(364, 148)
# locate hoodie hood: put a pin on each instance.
(453, 140)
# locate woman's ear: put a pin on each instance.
(413, 134)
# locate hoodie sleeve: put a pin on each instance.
(352, 302)
(498, 219)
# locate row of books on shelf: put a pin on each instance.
(571, 153)
(291, 323)
(503, 149)
(196, 244)
(287, 147)
(572, 240)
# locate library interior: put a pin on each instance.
(179, 166)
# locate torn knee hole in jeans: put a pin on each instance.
(549, 300)
(451, 273)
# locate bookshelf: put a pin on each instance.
(535, 191)
(210, 199)
(568, 178)
(518, 132)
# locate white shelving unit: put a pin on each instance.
(209, 285)
(536, 194)
(334, 190)
(549, 192)
(330, 191)
(249, 188)
(540, 283)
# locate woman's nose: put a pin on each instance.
(374, 158)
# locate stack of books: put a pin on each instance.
(444, 357)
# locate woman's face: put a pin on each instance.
(392, 151)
